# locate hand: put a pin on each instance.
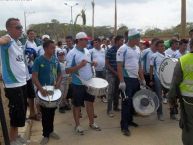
(44, 92)
(94, 63)
(83, 63)
(143, 84)
(122, 86)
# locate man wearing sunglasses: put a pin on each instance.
(14, 77)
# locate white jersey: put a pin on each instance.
(13, 64)
(99, 57)
(130, 58)
(169, 52)
(73, 58)
(177, 54)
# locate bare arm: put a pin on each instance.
(36, 81)
(141, 76)
(4, 40)
(76, 68)
(120, 71)
(109, 67)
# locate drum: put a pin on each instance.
(96, 86)
(145, 102)
(166, 71)
(50, 101)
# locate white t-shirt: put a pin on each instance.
(131, 58)
(40, 50)
(146, 58)
(156, 61)
(169, 52)
(13, 64)
(73, 58)
(99, 57)
(177, 54)
(60, 49)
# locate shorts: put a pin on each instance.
(17, 105)
(79, 95)
(30, 90)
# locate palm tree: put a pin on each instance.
(83, 16)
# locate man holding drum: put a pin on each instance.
(129, 71)
(79, 65)
(46, 71)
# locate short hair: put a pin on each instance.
(173, 41)
(183, 41)
(8, 22)
(154, 40)
(47, 43)
(69, 37)
(59, 43)
(158, 42)
(191, 43)
(97, 39)
(30, 30)
(118, 37)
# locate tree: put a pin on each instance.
(82, 14)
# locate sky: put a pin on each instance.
(140, 14)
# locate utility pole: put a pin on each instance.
(115, 27)
(93, 5)
(183, 18)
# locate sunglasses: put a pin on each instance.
(19, 27)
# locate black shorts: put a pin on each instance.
(79, 95)
(30, 89)
(17, 105)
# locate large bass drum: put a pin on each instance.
(166, 71)
(50, 101)
(145, 102)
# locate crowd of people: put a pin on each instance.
(127, 64)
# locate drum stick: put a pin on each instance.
(48, 94)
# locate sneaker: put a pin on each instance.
(44, 141)
(165, 100)
(79, 130)
(21, 139)
(95, 127)
(16, 143)
(110, 114)
(134, 124)
(126, 132)
(62, 110)
(54, 136)
(160, 117)
(104, 100)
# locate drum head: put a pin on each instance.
(145, 102)
(56, 94)
(96, 83)
(166, 71)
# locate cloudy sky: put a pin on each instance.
(133, 13)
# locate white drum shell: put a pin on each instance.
(96, 86)
(166, 71)
(54, 100)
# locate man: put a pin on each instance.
(112, 77)
(182, 49)
(129, 71)
(14, 77)
(146, 57)
(78, 65)
(30, 50)
(40, 48)
(98, 55)
(60, 48)
(46, 71)
(69, 43)
(174, 46)
(155, 63)
(182, 87)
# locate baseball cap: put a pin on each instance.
(45, 36)
(133, 34)
(82, 35)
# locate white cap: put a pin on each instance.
(133, 34)
(45, 36)
(81, 35)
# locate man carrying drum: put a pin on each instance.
(46, 71)
(129, 71)
(79, 65)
